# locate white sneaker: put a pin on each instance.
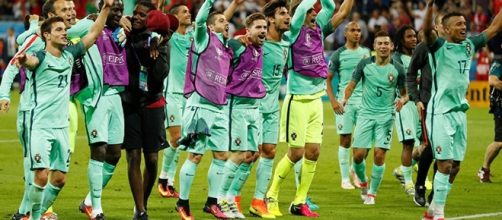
(355, 179)
(409, 189)
(235, 211)
(370, 200)
(364, 193)
(225, 208)
(347, 185)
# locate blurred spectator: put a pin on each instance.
(419, 14)
(484, 60)
(91, 7)
(11, 43)
(376, 21)
(495, 6)
(480, 20)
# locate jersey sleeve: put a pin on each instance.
(7, 79)
(359, 71)
(80, 29)
(478, 40)
(31, 30)
(496, 69)
(76, 50)
(299, 17)
(437, 44)
(201, 35)
(334, 62)
(324, 17)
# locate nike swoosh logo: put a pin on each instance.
(50, 66)
(449, 47)
(218, 173)
(265, 54)
(189, 174)
(281, 177)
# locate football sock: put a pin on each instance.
(171, 171)
(281, 171)
(49, 196)
(376, 178)
(360, 169)
(166, 161)
(35, 195)
(95, 176)
(308, 171)
(263, 175)
(298, 172)
(343, 162)
(441, 189)
(187, 174)
(407, 174)
(240, 179)
(229, 172)
(214, 177)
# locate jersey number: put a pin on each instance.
(277, 70)
(63, 81)
(379, 91)
(462, 65)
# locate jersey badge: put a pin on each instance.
(408, 131)
(171, 118)
(94, 133)
(438, 149)
(37, 158)
(468, 50)
(391, 78)
(238, 141)
(293, 136)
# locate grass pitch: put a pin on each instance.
(468, 196)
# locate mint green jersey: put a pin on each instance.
(402, 59)
(298, 83)
(51, 87)
(379, 85)
(179, 46)
(275, 56)
(343, 62)
(450, 64)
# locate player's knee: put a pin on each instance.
(358, 156)
(58, 181)
(221, 155)
(196, 158)
(444, 166)
(133, 156)
(41, 177)
(268, 151)
(345, 140)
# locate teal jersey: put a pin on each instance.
(402, 59)
(51, 87)
(275, 56)
(496, 69)
(31, 45)
(235, 101)
(179, 46)
(379, 84)
(450, 64)
(298, 83)
(129, 7)
(343, 62)
(89, 95)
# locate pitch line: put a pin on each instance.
(476, 216)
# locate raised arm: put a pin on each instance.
(200, 21)
(495, 27)
(26, 60)
(428, 26)
(327, 11)
(96, 29)
(229, 12)
(31, 30)
(299, 17)
(344, 11)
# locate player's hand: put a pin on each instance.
(243, 39)
(125, 23)
(4, 105)
(420, 108)
(399, 104)
(337, 107)
(108, 3)
(154, 47)
(20, 59)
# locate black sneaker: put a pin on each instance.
(99, 216)
(18, 216)
(140, 216)
(419, 197)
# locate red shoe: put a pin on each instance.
(214, 210)
(172, 192)
(238, 203)
(87, 210)
(302, 210)
(184, 212)
(427, 216)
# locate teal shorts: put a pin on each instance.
(174, 109)
(346, 122)
(105, 123)
(408, 123)
(50, 149)
(216, 121)
(269, 128)
(244, 129)
(23, 130)
(448, 135)
(376, 130)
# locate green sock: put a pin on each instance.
(168, 153)
(214, 177)
(298, 172)
(35, 195)
(343, 162)
(308, 171)
(376, 178)
(407, 174)
(240, 179)
(228, 176)
(281, 172)
(441, 189)
(25, 205)
(187, 174)
(95, 177)
(263, 175)
(171, 171)
(49, 196)
(360, 169)
(108, 170)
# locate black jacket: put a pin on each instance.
(138, 54)
(420, 91)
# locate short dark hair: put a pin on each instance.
(382, 34)
(450, 15)
(398, 37)
(253, 17)
(48, 7)
(146, 3)
(270, 8)
(47, 25)
(176, 8)
(211, 18)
